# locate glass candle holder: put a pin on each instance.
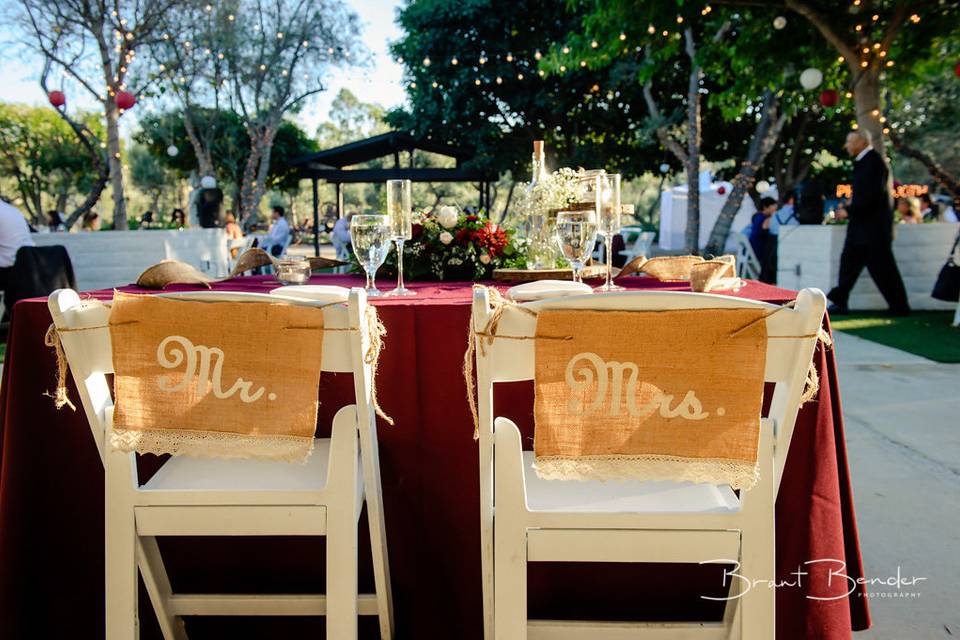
(293, 270)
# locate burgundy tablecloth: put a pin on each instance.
(51, 504)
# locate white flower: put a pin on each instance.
(446, 237)
(447, 216)
(485, 258)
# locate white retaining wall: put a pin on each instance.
(809, 256)
(104, 259)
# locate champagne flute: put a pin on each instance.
(400, 212)
(608, 210)
(576, 233)
(370, 236)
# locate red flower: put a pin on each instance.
(472, 218)
(464, 236)
(491, 238)
(416, 231)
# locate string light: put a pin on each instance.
(454, 62)
(651, 30)
(426, 62)
(566, 50)
(509, 57)
(679, 19)
(537, 55)
(623, 36)
(519, 76)
(594, 44)
(914, 18)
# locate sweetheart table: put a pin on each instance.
(51, 503)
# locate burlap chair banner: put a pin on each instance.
(226, 380)
(649, 395)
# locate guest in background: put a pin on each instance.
(869, 241)
(14, 233)
(340, 236)
(55, 221)
(234, 232)
(146, 220)
(945, 208)
(785, 216)
(178, 219)
(278, 237)
(908, 210)
(760, 231)
(928, 209)
(91, 221)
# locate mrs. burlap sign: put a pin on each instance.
(658, 395)
(226, 380)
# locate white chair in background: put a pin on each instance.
(642, 242)
(241, 245)
(527, 519)
(748, 265)
(215, 497)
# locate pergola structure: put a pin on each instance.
(332, 166)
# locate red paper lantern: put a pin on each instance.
(721, 190)
(829, 97)
(57, 98)
(125, 100)
(956, 70)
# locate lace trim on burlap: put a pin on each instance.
(213, 444)
(739, 475)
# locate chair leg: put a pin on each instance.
(381, 561)
(510, 583)
(758, 605)
(341, 574)
(158, 587)
(121, 573)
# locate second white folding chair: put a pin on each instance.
(527, 519)
(213, 497)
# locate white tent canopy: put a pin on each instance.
(673, 212)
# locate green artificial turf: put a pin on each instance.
(924, 333)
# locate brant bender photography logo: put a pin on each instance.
(822, 579)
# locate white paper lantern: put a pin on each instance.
(762, 187)
(172, 151)
(208, 182)
(811, 78)
(779, 23)
(664, 168)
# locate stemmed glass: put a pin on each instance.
(576, 233)
(608, 210)
(370, 236)
(400, 212)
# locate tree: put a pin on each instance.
(877, 40)
(46, 160)
(94, 43)
(350, 120)
(149, 175)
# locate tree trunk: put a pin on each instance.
(692, 165)
(204, 163)
(506, 205)
(866, 98)
(943, 177)
(764, 137)
(257, 169)
(116, 166)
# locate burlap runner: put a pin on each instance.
(221, 380)
(659, 395)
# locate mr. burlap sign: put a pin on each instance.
(664, 395)
(226, 380)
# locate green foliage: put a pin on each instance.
(42, 158)
(230, 148)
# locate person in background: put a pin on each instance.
(146, 220)
(234, 232)
(55, 221)
(14, 233)
(928, 209)
(785, 216)
(340, 236)
(869, 241)
(178, 219)
(278, 237)
(760, 232)
(91, 221)
(908, 209)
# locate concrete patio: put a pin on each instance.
(902, 418)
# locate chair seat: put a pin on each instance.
(186, 473)
(628, 496)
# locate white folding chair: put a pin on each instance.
(525, 518)
(748, 265)
(640, 247)
(215, 497)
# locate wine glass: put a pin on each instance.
(370, 236)
(608, 211)
(400, 212)
(576, 233)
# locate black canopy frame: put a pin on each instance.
(332, 166)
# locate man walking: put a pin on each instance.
(870, 232)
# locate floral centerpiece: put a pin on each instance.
(536, 209)
(450, 244)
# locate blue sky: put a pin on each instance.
(380, 83)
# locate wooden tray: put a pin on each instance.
(591, 272)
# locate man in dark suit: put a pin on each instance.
(870, 232)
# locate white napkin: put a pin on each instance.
(318, 292)
(540, 289)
